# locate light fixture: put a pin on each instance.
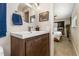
(55, 16)
(31, 6)
(38, 8)
(36, 4)
(28, 5)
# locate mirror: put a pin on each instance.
(24, 9)
(28, 12)
(32, 18)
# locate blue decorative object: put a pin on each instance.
(3, 20)
(17, 20)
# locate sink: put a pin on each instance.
(27, 34)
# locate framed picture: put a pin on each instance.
(44, 16)
(32, 18)
(74, 21)
(26, 14)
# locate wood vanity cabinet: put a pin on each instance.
(17, 46)
(34, 46)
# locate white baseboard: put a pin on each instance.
(75, 48)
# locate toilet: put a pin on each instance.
(1, 51)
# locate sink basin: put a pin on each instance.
(27, 34)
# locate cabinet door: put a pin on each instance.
(37, 46)
(17, 46)
(33, 46)
(45, 46)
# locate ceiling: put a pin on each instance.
(22, 6)
(63, 10)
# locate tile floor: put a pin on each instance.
(64, 48)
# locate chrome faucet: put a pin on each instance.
(29, 28)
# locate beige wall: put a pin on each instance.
(47, 25)
(5, 41)
(75, 30)
(10, 9)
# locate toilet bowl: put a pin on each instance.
(1, 51)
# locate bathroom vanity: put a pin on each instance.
(35, 43)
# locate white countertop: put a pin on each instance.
(27, 34)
